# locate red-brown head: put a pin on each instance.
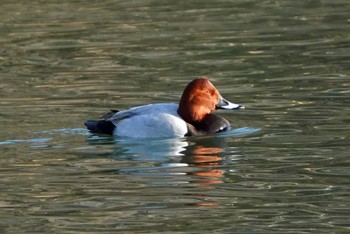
(199, 98)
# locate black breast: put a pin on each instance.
(209, 125)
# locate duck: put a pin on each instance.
(193, 116)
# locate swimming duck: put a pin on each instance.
(191, 117)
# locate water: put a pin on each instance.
(284, 166)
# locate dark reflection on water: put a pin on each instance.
(63, 63)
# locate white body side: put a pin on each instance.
(149, 121)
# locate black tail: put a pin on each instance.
(100, 126)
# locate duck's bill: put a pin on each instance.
(227, 105)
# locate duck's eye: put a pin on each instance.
(210, 92)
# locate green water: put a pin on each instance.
(283, 168)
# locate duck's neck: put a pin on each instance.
(190, 115)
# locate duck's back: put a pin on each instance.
(149, 121)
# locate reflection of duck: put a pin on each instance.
(195, 163)
(205, 154)
(154, 150)
(190, 117)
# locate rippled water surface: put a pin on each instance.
(283, 168)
